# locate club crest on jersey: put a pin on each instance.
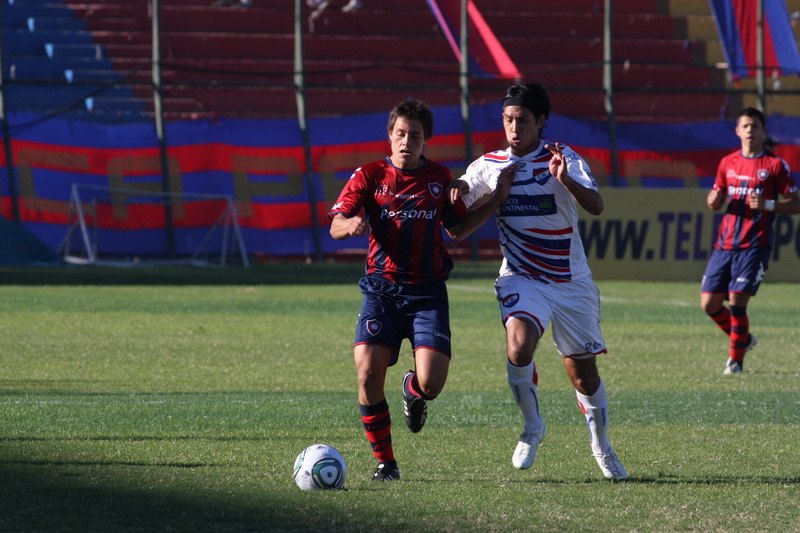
(762, 174)
(436, 189)
(541, 175)
(592, 346)
(373, 326)
(511, 300)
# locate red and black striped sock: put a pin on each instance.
(722, 319)
(740, 332)
(412, 389)
(378, 428)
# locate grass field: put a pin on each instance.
(178, 400)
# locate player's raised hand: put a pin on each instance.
(756, 200)
(504, 181)
(457, 189)
(557, 164)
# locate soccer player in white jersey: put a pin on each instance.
(544, 278)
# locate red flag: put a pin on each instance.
(736, 23)
(487, 55)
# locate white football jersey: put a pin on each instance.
(538, 222)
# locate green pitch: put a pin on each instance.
(178, 400)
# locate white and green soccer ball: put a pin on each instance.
(320, 466)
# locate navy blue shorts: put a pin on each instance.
(391, 312)
(736, 270)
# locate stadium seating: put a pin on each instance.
(237, 61)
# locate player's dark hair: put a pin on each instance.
(752, 112)
(413, 110)
(532, 96)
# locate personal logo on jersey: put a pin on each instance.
(373, 326)
(405, 214)
(520, 205)
(436, 189)
(762, 174)
(511, 300)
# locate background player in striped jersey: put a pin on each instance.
(402, 202)
(544, 276)
(756, 184)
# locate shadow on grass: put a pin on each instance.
(77, 497)
(122, 496)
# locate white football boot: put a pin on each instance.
(610, 465)
(525, 453)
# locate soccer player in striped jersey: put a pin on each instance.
(544, 277)
(756, 184)
(402, 202)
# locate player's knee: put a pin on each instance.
(368, 378)
(584, 375)
(711, 304)
(521, 339)
(587, 385)
(430, 387)
(520, 349)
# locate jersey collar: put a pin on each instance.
(536, 153)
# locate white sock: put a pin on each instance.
(520, 379)
(595, 408)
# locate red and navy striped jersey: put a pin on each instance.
(406, 210)
(767, 174)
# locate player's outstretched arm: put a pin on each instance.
(484, 207)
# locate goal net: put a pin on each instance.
(128, 227)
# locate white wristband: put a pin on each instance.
(769, 205)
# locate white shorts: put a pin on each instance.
(573, 308)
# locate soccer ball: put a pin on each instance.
(320, 466)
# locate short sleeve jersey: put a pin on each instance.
(406, 210)
(767, 174)
(538, 222)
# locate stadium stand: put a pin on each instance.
(238, 61)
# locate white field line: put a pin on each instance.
(604, 299)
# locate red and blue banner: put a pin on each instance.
(261, 165)
(737, 24)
